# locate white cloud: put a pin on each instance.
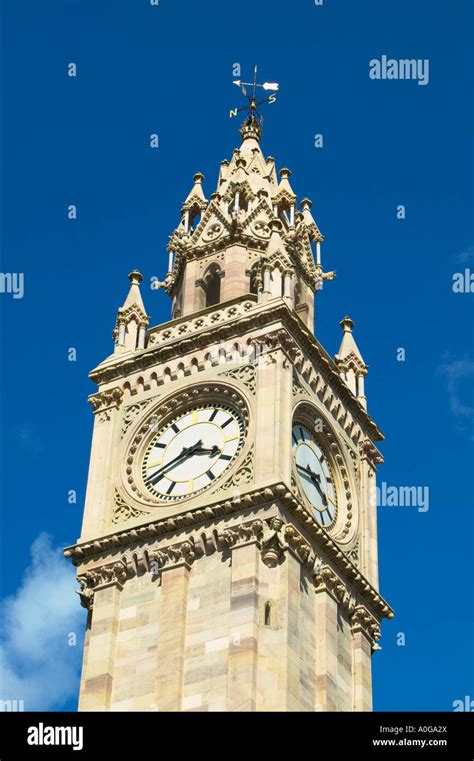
(467, 255)
(37, 665)
(456, 373)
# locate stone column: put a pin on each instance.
(98, 665)
(121, 335)
(175, 568)
(244, 614)
(369, 553)
(361, 661)
(290, 677)
(102, 461)
(326, 644)
(141, 337)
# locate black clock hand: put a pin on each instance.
(213, 450)
(185, 452)
(316, 479)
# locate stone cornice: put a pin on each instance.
(257, 317)
(272, 537)
(106, 399)
(88, 551)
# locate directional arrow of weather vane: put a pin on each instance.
(253, 103)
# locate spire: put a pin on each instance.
(134, 297)
(311, 226)
(250, 233)
(284, 188)
(349, 360)
(132, 320)
(196, 195)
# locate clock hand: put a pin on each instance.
(202, 450)
(184, 453)
(316, 479)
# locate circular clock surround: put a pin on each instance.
(161, 415)
(315, 475)
(191, 451)
(343, 473)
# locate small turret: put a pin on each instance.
(352, 367)
(132, 320)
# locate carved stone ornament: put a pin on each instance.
(361, 619)
(171, 557)
(104, 400)
(368, 451)
(243, 475)
(244, 374)
(123, 512)
(115, 573)
(131, 411)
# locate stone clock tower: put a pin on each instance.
(228, 553)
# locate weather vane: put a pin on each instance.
(253, 118)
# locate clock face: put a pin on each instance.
(190, 452)
(314, 475)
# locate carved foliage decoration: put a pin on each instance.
(244, 374)
(131, 411)
(115, 573)
(123, 512)
(243, 475)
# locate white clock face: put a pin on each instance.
(190, 452)
(314, 475)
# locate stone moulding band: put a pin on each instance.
(273, 538)
(254, 319)
(129, 538)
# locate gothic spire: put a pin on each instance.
(132, 320)
(349, 361)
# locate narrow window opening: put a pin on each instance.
(268, 614)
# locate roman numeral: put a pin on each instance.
(213, 415)
(210, 475)
(171, 487)
(226, 457)
(175, 428)
(229, 420)
(160, 446)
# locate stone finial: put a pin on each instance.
(135, 277)
(347, 324)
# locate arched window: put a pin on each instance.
(268, 614)
(253, 280)
(297, 295)
(212, 285)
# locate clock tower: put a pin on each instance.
(228, 552)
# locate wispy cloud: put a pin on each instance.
(467, 255)
(456, 375)
(29, 439)
(38, 664)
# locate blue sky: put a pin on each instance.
(85, 141)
